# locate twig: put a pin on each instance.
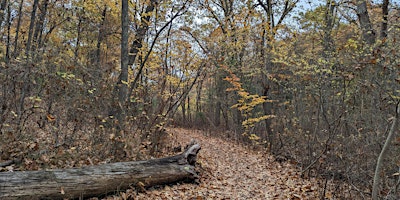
(355, 187)
(310, 165)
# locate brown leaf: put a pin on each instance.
(50, 117)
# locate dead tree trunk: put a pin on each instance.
(98, 180)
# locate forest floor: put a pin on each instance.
(231, 171)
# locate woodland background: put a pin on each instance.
(315, 83)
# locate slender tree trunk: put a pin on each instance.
(329, 23)
(101, 35)
(382, 155)
(8, 33)
(365, 22)
(165, 73)
(224, 111)
(31, 25)
(189, 110)
(385, 13)
(139, 37)
(218, 101)
(128, 58)
(268, 35)
(266, 86)
(198, 96)
(78, 36)
(3, 6)
(267, 108)
(183, 107)
(16, 52)
(122, 85)
(39, 26)
(141, 32)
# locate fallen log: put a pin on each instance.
(98, 180)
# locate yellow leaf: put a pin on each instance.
(50, 118)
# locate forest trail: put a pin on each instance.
(230, 171)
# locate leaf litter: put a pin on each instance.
(231, 171)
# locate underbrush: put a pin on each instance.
(54, 117)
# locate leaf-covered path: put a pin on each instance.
(230, 171)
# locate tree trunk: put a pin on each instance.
(16, 53)
(385, 14)
(7, 58)
(100, 36)
(268, 37)
(219, 97)
(78, 35)
(2, 10)
(31, 25)
(365, 23)
(122, 85)
(189, 110)
(267, 108)
(98, 180)
(198, 96)
(382, 155)
(183, 107)
(329, 24)
(39, 27)
(141, 32)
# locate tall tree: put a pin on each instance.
(39, 27)
(31, 26)
(9, 19)
(122, 85)
(224, 35)
(268, 38)
(17, 29)
(141, 32)
(3, 7)
(329, 23)
(128, 58)
(79, 29)
(365, 22)
(101, 35)
(385, 14)
(384, 152)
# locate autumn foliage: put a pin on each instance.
(315, 84)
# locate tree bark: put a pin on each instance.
(31, 25)
(98, 180)
(15, 52)
(385, 14)
(329, 24)
(7, 58)
(141, 32)
(101, 36)
(78, 35)
(3, 6)
(382, 155)
(365, 22)
(122, 84)
(39, 27)
(218, 100)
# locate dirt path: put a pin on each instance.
(233, 172)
